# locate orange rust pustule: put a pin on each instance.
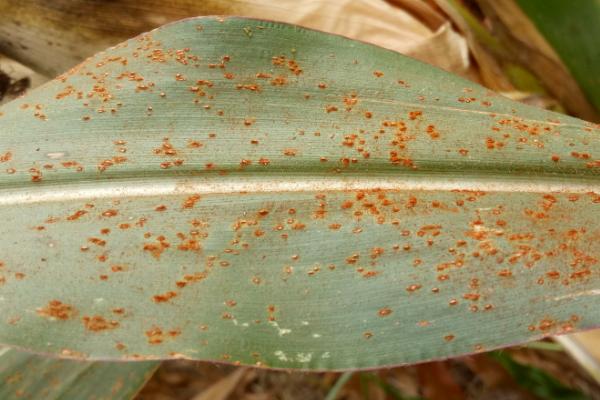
(156, 249)
(165, 297)
(191, 201)
(76, 215)
(98, 323)
(155, 335)
(57, 309)
(5, 157)
(384, 312)
(110, 213)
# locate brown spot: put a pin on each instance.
(353, 259)
(414, 114)
(194, 144)
(252, 87)
(110, 213)
(546, 324)
(471, 296)
(57, 309)
(163, 298)
(231, 303)
(78, 214)
(505, 273)
(433, 133)
(98, 323)
(226, 315)
(279, 80)
(6, 157)
(191, 201)
(156, 249)
(384, 312)
(413, 288)
(155, 335)
(96, 241)
(104, 165)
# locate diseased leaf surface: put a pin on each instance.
(28, 376)
(253, 192)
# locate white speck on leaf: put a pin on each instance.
(304, 357)
(280, 331)
(281, 356)
(56, 155)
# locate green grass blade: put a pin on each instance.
(338, 385)
(536, 380)
(290, 199)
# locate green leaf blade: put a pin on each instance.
(328, 205)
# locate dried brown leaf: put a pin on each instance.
(221, 389)
(87, 27)
(529, 48)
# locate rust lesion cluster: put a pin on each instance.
(156, 335)
(549, 325)
(56, 309)
(157, 248)
(97, 323)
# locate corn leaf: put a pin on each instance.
(29, 376)
(246, 191)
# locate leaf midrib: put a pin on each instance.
(281, 183)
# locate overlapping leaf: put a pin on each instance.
(572, 30)
(249, 191)
(28, 376)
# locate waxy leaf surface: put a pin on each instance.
(248, 191)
